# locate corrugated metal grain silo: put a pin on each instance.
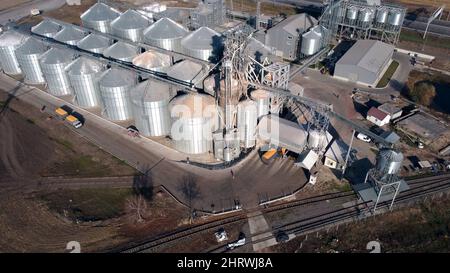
(130, 25)
(94, 43)
(9, 42)
(122, 51)
(70, 35)
(151, 108)
(28, 55)
(99, 17)
(84, 75)
(204, 43)
(115, 86)
(47, 28)
(165, 33)
(53, 64)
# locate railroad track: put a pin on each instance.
(425, 186)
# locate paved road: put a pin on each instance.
(217, 190)
(23, 10)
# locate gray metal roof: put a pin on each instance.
(165, 28)
(70, 33)
(32, 46)
(121, 50)
(186, 70)
(100, 12)
(118, 77)
(202, 38)
(150, 91)
(94, 41)
(46, 26)
(57, 56)
(367, 54)
(131, 19)
(297, 22)
(11, 38)
(84, 66)
(389, 108)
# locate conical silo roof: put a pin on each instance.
(202, 38)
(117, 77)
(11, 38)
(130, 19)
(84, 66)
(121, 51)
(151, 59)
(149, 91)
(165, 28)
(100, 12)
(70, 33)
(46, 28)
(57, 56)
(32, 46)
(93, 41)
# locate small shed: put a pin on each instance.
(378, 117)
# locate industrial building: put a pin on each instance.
(365, 62)
(378, 117)
(285, 37)
(391, 109)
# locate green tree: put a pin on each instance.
(423, 92)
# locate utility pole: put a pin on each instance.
(348, 154)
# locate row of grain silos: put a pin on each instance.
(204, 43)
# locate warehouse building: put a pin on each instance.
(365, 62)
(284, 38)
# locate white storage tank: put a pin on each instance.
(47, 28)
(366, 15)
(316, 139)
(352, 13)
(121, 51)
(165, 33)
(70, 35)
(247, 119)
(99, 17)
(94, 43)
(151, 108)
(115, 86)
(395, 17)
(389, 161)
(53, 64)
(382, 14)
(194, 118)
(311, 41)
(28, 55)
(9, 42)
(84, 75)
(204, 43)
(262, 99)
(152, 60)
(130, 25)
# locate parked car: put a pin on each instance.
(363, 137)
(281, 237)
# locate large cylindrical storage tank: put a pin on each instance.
(9, 42)
(194, 118)
(115, 86)
(47, 28)
(311, 41)
(247, 119)
(53, 64)
(165, 33)
(316, 139)
(352, 13)
(382, 14)
(395, 17)
(99, 17)
(121, 51)
(94, 43)
(262, 99)
(70, 35)
(28, 55)
(365, 15)
(204, 43)
(130, 25)
(151, 108)
(389, 161)
(152, 60)
(84, 75)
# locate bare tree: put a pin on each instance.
(137, 209)
(190, 190)
(143, 185)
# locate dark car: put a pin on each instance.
(281, 237)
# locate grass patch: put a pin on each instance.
(388, 74)
(88, 204)
(431, 40)
(67, 144)
(83, 165)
